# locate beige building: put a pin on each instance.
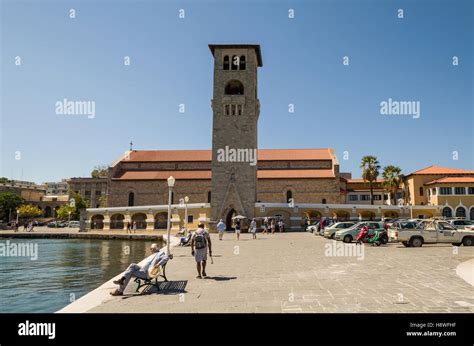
(454, 194)
(92, 189)
(418, 192)
(358, 192)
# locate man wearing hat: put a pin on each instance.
(221, 228)
(150, 267)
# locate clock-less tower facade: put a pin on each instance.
(236, 109)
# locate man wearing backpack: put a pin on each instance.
(199, 244)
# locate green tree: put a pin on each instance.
(4, 180)
(103, 201)
(28, 211)
(9, 203)
(63, 212)
(370, 171)
(393, 178)
(100, 171)
(77, 203)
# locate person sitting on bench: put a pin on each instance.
(186, 241)
(156, 259)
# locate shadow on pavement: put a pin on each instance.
(169, 287)
(221, 278)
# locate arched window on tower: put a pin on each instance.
(235, 62)
(324, 201)
(209, 197)
(131, 199)
(242, 63)
(289, 196)
(226, 63)
(234, 87)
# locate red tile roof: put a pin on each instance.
(195, 175)
(295, 173)
(441, 170)
(363, 181)
(450, 180)
(206, 155)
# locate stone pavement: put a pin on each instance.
(295, 272)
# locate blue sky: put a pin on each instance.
(336, 106)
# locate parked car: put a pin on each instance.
(331, 230)
(316, 228)
(401, 225)
(390, 222)
(461, 223)
(74, 224)
(437, 231)
(311, 228)
(56, 224)
(349, 234)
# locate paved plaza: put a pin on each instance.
(300, 272)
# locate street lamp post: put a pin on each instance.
(186, 200)
(171, 182)
(69, 219)
(17, 214)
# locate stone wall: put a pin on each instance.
(303, 190)
(155, 192)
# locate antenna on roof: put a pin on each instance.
(131, 145)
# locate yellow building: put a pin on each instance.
(455, 194)
(416, 189)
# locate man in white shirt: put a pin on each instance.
(156, 259)
(221, 228)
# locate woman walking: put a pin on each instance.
(253, 228)
(265, 226)
(272, 226)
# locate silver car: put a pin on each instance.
(460, 224)
(331, 230)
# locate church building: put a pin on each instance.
(235, 177)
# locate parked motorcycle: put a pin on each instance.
(377, 238)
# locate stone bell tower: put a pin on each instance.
(236, 108)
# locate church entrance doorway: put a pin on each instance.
(228, 219)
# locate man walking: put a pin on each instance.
(265, 225)
(221, 228)
(199, 244)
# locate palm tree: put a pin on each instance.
(406, 190)
(370, 171)
(393, 178)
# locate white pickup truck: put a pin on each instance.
(435, 232)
